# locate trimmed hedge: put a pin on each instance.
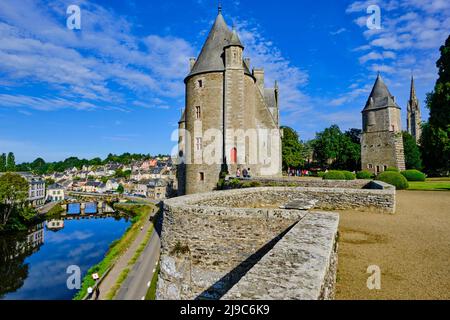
(392, 169)
(395, 179)
(414, 175)
(334, 175)
(339, 175)
(365, 174)
(349, 175)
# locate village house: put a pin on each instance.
(55, 192)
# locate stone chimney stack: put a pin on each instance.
(259, 76)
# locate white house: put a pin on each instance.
(55, 192)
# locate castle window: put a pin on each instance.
(370, 166)
(198, 113)
(200, 83)
(199, 143)
(378, 169)
(385, 167)
(201, 176)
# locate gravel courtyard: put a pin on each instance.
(412, 249)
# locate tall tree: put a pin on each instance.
(3, 162)
(338, 150)
(13, 194)
(435, 141)
(10, 162)
(412, 153)
(291, 149)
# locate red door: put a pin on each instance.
(234, 156)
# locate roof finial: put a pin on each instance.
(220, 7)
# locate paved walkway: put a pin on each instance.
(136, 285)
(122, 263)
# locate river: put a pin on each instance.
(34, 265)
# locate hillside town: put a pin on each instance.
(153, 179)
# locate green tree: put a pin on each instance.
(13, 194)
(291, 149)
(3, 162)
(435, 140)
(10, 162)
(95, 162)
(338, 150)
(120, 189)
(412, 153)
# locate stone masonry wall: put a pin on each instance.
(210, 241)
(271, 198)
(301, 266)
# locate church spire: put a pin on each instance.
(412, 94)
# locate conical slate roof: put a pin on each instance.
(211, 56)
(380, 97)
(235, 41)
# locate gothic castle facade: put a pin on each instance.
(382, 142)
(230, 120)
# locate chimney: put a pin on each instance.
(191, 63)
(259, 76)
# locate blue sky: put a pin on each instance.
(116, 85)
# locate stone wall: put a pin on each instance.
(269, 199)
(211, 241)
(301, 266)
(305, 182)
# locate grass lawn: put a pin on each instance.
(151, 293)
(431, 185)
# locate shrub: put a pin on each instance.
(414, 175)
(394, 178)
(251, 184)
(334, 175)
(320, 174)
(349, 175)
(391, 169)
(365, 174)
(235, 183)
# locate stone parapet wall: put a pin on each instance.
(268, 200)
(309, 183)
(210, 241)
(301, 266)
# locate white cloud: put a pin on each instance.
(98, 64)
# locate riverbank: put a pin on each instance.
(108, 267)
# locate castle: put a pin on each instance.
(414, 120)
(381, 142)
(230, 120)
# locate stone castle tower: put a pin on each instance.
(382, 142)
(230, 119)
(414, 120)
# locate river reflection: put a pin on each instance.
(33, 265)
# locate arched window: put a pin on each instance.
(234, 156)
